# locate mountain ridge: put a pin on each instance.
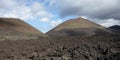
(15, 26)
(78, 25)
(115, 28)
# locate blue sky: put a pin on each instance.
(46, 14)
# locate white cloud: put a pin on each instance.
(44, 19)
(22, 12)
(53, 23)
(44, 14)
(56, 22)
(103, 9)
(36, 6)
(106, 22)
(7, 3)
(11, 8)
(100, 11)
(110, 22)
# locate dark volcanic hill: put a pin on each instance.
(115, 28)
(79, 26)
(13, 26)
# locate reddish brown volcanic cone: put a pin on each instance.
(78, 27)
(13, 26)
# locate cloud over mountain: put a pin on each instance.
(53, 12)
(103, 12)
(102, 9)
(24, 10)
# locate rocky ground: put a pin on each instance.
(62, 48)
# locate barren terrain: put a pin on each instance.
(62, 48)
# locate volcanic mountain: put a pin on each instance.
(14, 26)
(115, 28)
(78, 27)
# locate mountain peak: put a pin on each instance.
(77, 23)
(78, 26)
(15, 26)
(115, 28)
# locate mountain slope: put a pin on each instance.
(13, 26)
(115, 28)
(77, 27)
